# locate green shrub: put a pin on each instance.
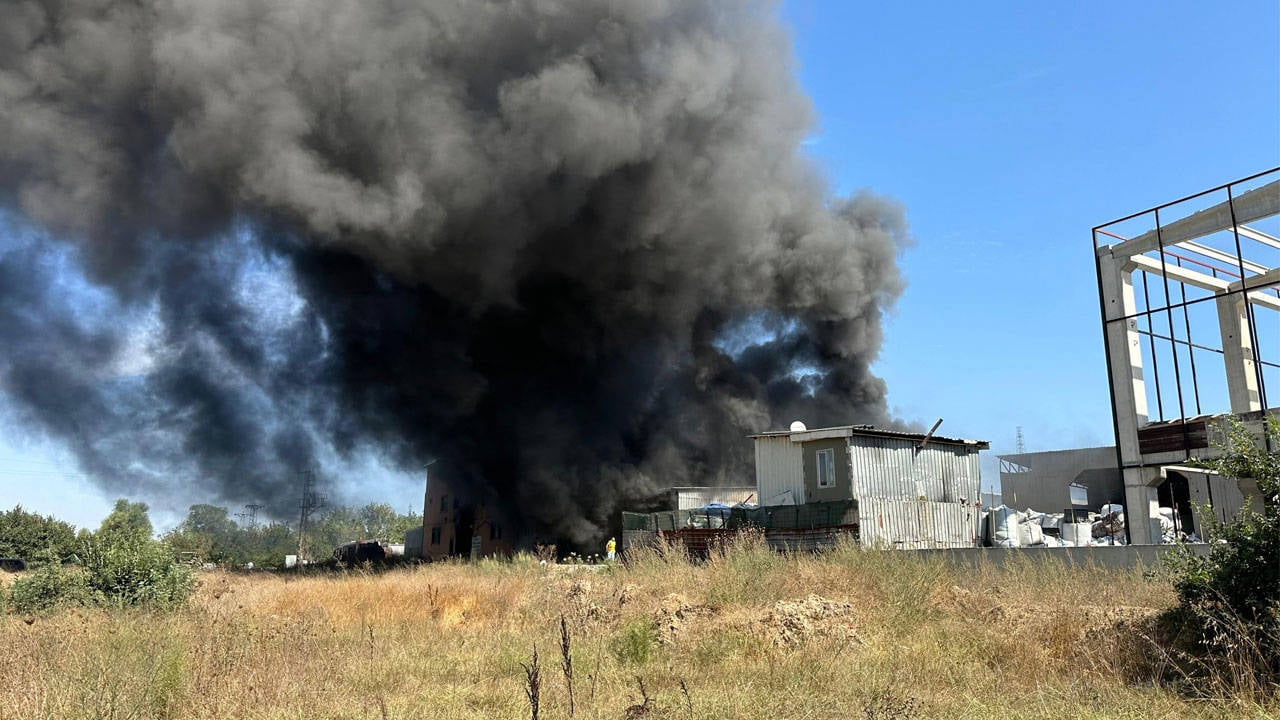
(35, 538)
(50, 586)
(135, 571)
(1229, 600)
(634, 644)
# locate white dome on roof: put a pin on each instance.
(798, 426)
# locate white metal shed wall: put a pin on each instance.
(779, 469)
(891, 468)
(692, 498)
(916, 525)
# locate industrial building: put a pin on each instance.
(1044, 480)
(1189, 293)
(454, 525)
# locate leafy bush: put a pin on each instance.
(34, 537)
(1229, 600)
(634, 644)
(136, 572)
(48, 587)
(127, 522)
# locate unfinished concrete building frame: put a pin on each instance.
(1190, 304)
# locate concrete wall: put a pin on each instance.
(1119, 557)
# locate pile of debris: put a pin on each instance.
(1005, 527)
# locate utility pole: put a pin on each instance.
(310, 502)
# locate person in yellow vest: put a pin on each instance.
(611, 548)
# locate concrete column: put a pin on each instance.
(1238, 354)
(1124, 351)
(1141, 505)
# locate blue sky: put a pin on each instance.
(1008, 130)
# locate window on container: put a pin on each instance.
(826, 468)
(435, 535)
(495, 532)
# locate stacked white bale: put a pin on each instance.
(1004, 527)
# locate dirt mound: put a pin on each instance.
(674, 614)
(627, 593)
(794, 622)
(580, 605)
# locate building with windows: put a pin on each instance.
(455, 525)
(912, 490)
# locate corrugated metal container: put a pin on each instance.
(915, 525)
(779, 471)
(885, 467)
(1222, 493)
(695, 497)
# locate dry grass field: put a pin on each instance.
(747, 634)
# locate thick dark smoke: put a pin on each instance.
(568, 247)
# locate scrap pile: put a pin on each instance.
(1005, 527)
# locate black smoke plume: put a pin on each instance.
(571, 248)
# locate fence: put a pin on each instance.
(788, 517)
(814, 526)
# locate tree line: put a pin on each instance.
(208, 534)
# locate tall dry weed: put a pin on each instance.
(453, 640)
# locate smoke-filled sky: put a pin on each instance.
(235, 239)
(569, 248)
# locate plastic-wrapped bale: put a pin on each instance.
(1077, 534)
(1051, 522)
(1029, 533)
(1004, 526)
